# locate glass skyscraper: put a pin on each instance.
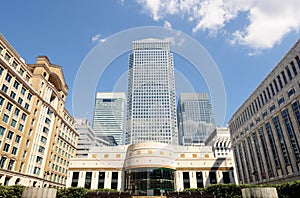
(195, 118)
(109, 115)
(151, 108)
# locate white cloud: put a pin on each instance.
(97, 38)
(268, 21)
(167, 24)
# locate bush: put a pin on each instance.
(11, 191)
(71, 192)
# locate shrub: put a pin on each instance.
(71, 192)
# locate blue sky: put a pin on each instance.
(246, 39)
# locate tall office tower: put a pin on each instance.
(195, 118)
(37, 137)
(151, 110)
(265, 129)
(109, 115)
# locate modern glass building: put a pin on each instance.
(265, 130)
(109, 115)
(151, 110)
(195, 118)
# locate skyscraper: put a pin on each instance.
(151, 108)
(195, 118)
(109, 115)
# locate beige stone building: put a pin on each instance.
(37, 137)
(150, 168)
(265, 130)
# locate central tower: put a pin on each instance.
(151, 108)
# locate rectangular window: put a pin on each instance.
(13, 123)
(12, 95)
(14, 64)
(21, 127)
(1, 100)
(114, 180)
(199, 178)
(5, 118)
(276, 86)
(29, 96)
(186, 180)
(284, 77)
(9, 106)
(16, 84)
(272, 144)
(14, 150)
(291, 92)
(18, 138)
(88, 180)
(75, 179)
(8, 77)
(47, 121)
(6, 147)
(280, 82)
(2, 130)
(226, 178)
(23, 90)
(36, 170)
(21, 72)
(272, 89)
(289, 72)
(26, 106)
(2, 162)
(212, 177)
(7, 56)
(10, 135)
(1, 70)
(20, 101)
(10, 164)
(43, 139)
(24, 116)
(294, 68)
(101, 179)
(4, 88)
(41, 149)
(280, 101)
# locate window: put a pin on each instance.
(18, 138)
(88, 180)
(4, 88)
(29, 96)
(8, 77)
(9, 106)
(6, 147)
(24, 116)
(1, 100)
(21, 127)
(7, 56)
(2, 130)
(23, 90)
(41, 149)
(291, 92)
(14, 150)
(13, 95)
(13, 123)
(280, 101)
(14, 64)
(39, 160)
(294, 68)
(212, 177)
(289, 72)
(46, 130)
(43, 139)
(101, 179)
(2, 162)
(199, 178)
(5, 118)
(1, 70)
(10, 135)
(16, 84)
(47, 121)
(75, 179)
(272, 144)
(186, 180)
(20, 100)
(36, 170)
(26, 106)
(21, 72)
(114, 180)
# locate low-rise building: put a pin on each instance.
(150, 168)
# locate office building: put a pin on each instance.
(109, 115)
(151, 108)
(87, 138)
(150, 168)
(265, 129)
(195, 118)
(37, 137)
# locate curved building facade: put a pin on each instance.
(150, 168)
